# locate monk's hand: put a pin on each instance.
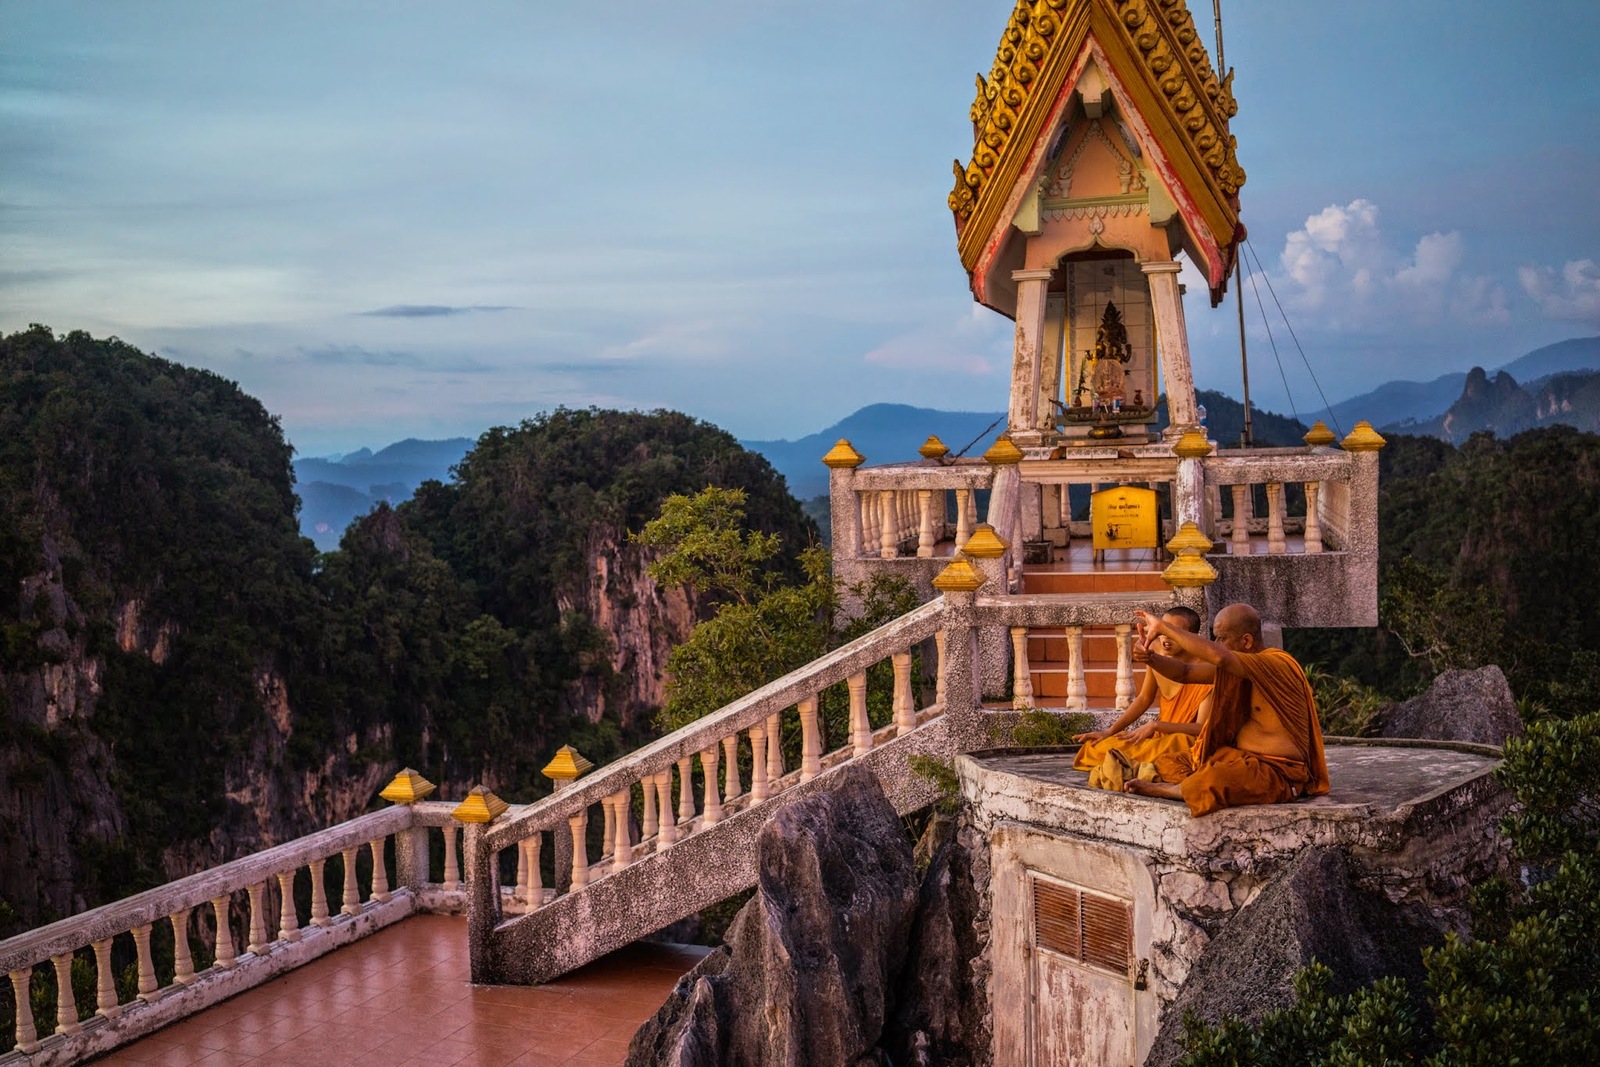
(1143, 733)
(1149, 626)
(1141, 652)
(1092, 736)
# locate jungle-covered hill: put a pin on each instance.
(184, 679)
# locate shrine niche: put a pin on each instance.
(1108, 372)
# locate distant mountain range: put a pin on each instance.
(336, 489)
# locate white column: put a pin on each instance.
(685, 793)
(380, 871)
(1055, 323)
(1275, 505)
(622, 851)
(730, 769)
(1124, 665)
(1021, 677)
(534, 894)
(258, 920)
(319, 891)
(608, 834)
(352, 888)
(1026, 356)
(810, 740)
(667, 832)
(66, 1003)
(905, 709)
(758, 763)
(1166, 305)
(888, 526)
(105, 993)
(1077, 685)
(147, 967)
(860, 725)
(713, 803)
(452, 871)
(774, 750)
(924, 523)
(288, 920)
(651, 827)
(520, 893)
(182, 961)
(225, 956)
(579, 826)
(1313, 520)
(27, 1036)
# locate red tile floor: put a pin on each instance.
(401, 997)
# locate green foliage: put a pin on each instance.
(941, 774)
(706, 547)
(1447, 627)
(1345, 707)
(1042, 729)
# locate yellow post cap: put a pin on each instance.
(959, 577)
(1189, 539)
(933, 448)
(1003, 451)
(1363, 438)
(480, 806)
(984, 543)
(408, 787)
(1189, 571)
(1319, 435)
(567, 765)
(1192, 445)
(843, 454)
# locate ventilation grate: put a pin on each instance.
(1083, 925)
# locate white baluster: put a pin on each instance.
(925, 523)
(963, 518)
(1275, 507)
(713, 803)
(758, 763)
(1124, 665)
(651, 826)
(730, 768)
(258, 919)
(685, 794)
(452, 867)
(905, 708)
(1313, 520)
(810, 740)
(27, 1036)
(774, 750)
(622, 851)
(535, 846)
(351, 903)
(105, 993)
(1241, 520)
(380, 872)
(579, 825)
(319, 887)
(1213, 510)
(938, 675)
(182, 961)
(668, 832)
(224, 955)
(860, 725)
(608, 833)
(888, 543)
(869, 531)
(147, 968)
(520, 891)
(1021, 677)
(288, 921)
(66, 1003)
(1077, 684)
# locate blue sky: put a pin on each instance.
(414, 219)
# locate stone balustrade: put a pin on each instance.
(246, 915)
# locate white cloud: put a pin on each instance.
(972, 345)
(1344, 273)
(1573, 294)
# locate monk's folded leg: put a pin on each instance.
(1174, 767)
(1231, 779)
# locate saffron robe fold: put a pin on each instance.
(1182, 706)
(1271, 689)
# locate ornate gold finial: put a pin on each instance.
(843, 454)
(933, 448)
(567, 765)
(1192, 445)
(959, 577)
(1363, 438)
(1319, 435)
(984, 543)
(1189, 571)
(408, 787)
(1003, 451)
(1189, 540)
(480, 806)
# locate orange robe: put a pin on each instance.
(1182, 706)
(1273, 691)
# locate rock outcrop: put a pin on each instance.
(1475, 706)
(808, 972)
(1313, 910)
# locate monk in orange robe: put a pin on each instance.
(1262, 743)
(1181, 709)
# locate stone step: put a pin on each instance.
(1098, 681)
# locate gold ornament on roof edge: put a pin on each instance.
(933, 448)
(959, 577)
(567, 765)
(1192, 445)
(408, 787)
(984, 543)
(843, 455)
(1003, 452)
(1319, 435)
(1363, 438)
(480, 806)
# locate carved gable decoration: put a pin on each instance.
(1097, 165)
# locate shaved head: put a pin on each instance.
(1238, 621)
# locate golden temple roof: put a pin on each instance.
(1159, 67)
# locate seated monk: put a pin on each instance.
(1262, 743)
(1182, 708)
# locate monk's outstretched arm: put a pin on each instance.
(1188, 672)
(1208, 652)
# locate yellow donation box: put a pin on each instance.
(1125, 517)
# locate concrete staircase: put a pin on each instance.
(1047, 646)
